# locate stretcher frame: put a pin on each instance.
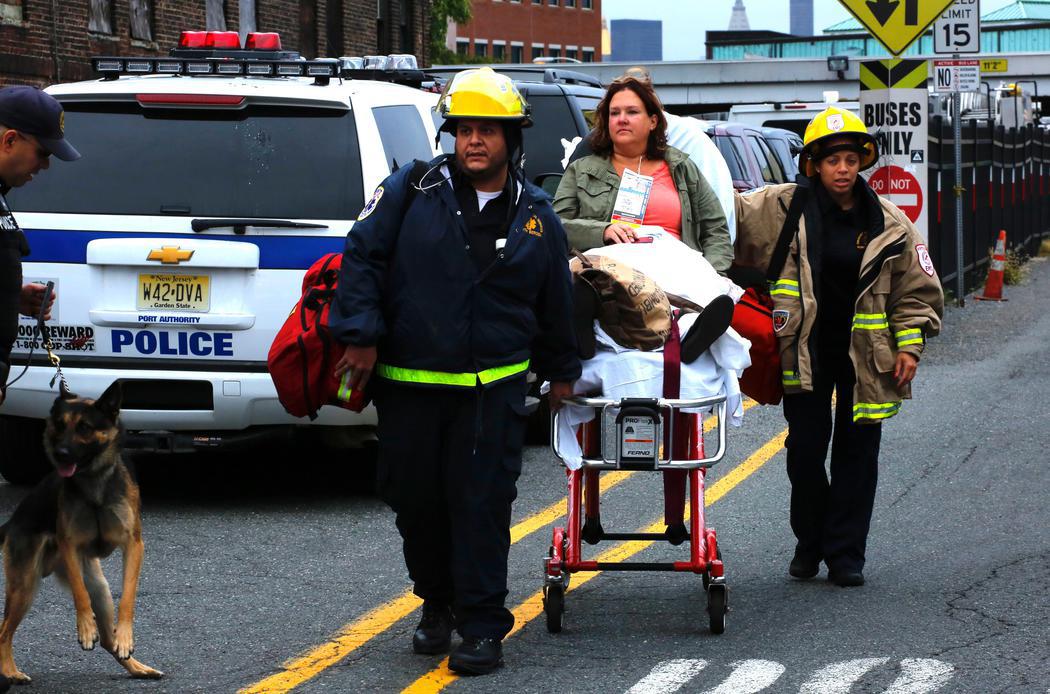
(682, 436)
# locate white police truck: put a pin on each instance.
(210, 180)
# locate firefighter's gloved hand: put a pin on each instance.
(359, 361)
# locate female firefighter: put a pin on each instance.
(853, 306)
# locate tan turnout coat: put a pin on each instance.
(900, 301)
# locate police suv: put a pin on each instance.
(210, 180)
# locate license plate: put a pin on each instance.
(173, 292)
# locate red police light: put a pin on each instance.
(192, 39)
(222, 39)
(263, 41)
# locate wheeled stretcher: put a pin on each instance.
(644, 435)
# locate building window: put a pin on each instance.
(586, 4)
(537, 2)
(571, 52)
(554, 51)
(481, 48)
(517, 53)
(141, 20)
(215, 15)
(101, 18)
(537, 50)
(552, 3)
(462, 46)
(587, 55)
(499, 52)
(570, 3)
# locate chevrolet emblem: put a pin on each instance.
(169, 255)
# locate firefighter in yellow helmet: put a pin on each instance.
(453, 287)
(855, 298)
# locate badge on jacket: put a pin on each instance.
(780, 319)
(534, 226)
(925, 261)
(371, 206)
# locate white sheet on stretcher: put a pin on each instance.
(616, 372)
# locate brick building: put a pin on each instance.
(519, 31)
(47, 41)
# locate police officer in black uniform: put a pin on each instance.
(31, 130)
(454, 284)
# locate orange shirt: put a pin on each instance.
(665, 207)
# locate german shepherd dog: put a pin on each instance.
(83, 510)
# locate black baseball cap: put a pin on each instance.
(34, 112)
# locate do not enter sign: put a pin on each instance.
(899, 187)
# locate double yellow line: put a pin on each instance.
(362, 630)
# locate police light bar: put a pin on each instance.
(113, 67)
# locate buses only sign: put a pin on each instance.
(894, 108)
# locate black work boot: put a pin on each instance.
(434, 633)
(803, 565)
(476, 656)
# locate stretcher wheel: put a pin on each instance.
(554, 606)
(717, 597)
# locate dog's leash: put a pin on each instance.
(45, 333)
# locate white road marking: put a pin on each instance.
(917, 676)
(837, 678)
(668, 676)
(921, 675)
(749, 677)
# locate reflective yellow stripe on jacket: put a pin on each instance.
(912, 336)
(784, 288)
(875, 410)
(870, 321)
(444, 378)
(790, 378)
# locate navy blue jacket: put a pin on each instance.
(408, 284)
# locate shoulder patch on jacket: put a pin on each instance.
(534, 226)
(371, 206)
(925, 261)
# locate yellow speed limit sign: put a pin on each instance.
(896, 23)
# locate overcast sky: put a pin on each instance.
(686, 21)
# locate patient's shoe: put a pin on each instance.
(584, 311)
(709, 326)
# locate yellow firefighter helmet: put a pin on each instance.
(834, 122)
(483, 93)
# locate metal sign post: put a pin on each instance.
(958, 30)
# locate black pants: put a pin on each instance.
(831, 520)
(449, 459)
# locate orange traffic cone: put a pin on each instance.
(993, 286)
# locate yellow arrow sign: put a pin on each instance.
(896, 23)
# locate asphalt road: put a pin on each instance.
(275, 570)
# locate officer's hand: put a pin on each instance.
(359, 361)
(618, 233)
(905, 369)
(558, 392)
(31, 297)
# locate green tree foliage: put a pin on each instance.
(440, 12)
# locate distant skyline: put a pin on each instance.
(687, 21)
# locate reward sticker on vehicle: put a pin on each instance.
(638, 437)
(173, 292)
